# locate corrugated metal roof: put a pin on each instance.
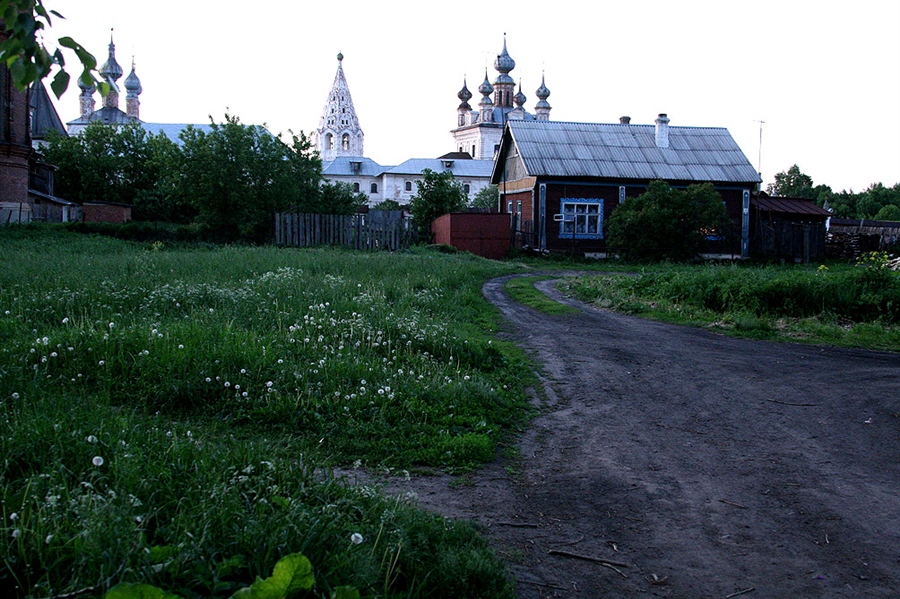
(342, 166)
(789, 206)
(561, 149)
(459, 168)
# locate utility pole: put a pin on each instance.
(759, 158)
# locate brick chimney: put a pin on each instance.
(662, 131)
(624, 120)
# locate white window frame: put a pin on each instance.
(583, 216)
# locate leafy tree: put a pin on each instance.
(109, 164)
(23, 52)
(487, 197)
(437, 194)
(792, 183)
(889, 212)
(667, 224)
(387, 205)
(339, 198)
(238, 175)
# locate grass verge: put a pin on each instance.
(522, 290)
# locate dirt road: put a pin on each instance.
(698, 465)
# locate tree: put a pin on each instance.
(437, 194)
(667, 224)
(238, 175)
(109, 164)
(26, 56)
(890, 212)
(339, 198)
(793, 184)
(387, 205)
(487, 197)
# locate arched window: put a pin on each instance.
(345, 141)
(356, 188)
(409, 186)
(373, 188)
(329, 141)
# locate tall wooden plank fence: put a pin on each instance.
(377, 230)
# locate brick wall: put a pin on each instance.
(105, 213)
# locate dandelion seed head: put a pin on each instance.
(15, 395)
(91, 439)
(97, 461)
(356, 538)
(16, 533)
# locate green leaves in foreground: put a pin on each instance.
(292, 573)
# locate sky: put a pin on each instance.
(823, 76)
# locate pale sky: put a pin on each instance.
(823, 75)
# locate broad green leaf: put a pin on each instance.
(292, 573)
(60, 83)
(138, 591)
(345, 593)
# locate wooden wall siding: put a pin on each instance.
(791, 241)
(372, 231)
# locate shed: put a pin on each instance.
(481, 233)
(791, 229)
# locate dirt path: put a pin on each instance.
(704, 465)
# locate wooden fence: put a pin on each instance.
(377, 230)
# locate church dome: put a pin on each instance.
(132, 83)
(111, 69)
(504, 62)
(542, 92)
(485, 89)
(86, 87)
(464, 94)
(520, 98)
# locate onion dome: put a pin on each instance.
(86, 88)
(340, 57)
(465, 95)
(111, 69)
(485, 89)
(504, 62)
(519, 98)
(542, 93)
(132, 83)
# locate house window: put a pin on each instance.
(582, 218)
(408, 186)
(345, 141)
(373, 188)
(466, 188)
(356, 188)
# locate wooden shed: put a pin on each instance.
(481, 233)
(790, 229)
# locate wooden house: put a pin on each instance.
(560, 181)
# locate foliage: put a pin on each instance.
(437, 194)
(841, 305)
(238, 175)
(387, 205)
(487, 197)
(523, 290)
(28, 59)
(667, 224)
(122, 165)
(889, 212)
(792, 183)
(185, 439)
(339, 198)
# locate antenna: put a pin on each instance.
(759, 159)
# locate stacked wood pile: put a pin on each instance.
(849, 246)
(894, 264)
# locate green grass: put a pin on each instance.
(522, 290)
(841, 305)
(219, 385)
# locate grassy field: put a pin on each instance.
(842, 305)
(170, 415)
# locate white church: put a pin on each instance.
(339, 138)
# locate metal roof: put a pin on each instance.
(45, 117)
(626, 151)
(459, 168)
(173, 130)
(341, 166)
(789, 206)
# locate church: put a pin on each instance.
(339, 138)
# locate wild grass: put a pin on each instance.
(171, 415)
(522, 290)
(842, 305)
